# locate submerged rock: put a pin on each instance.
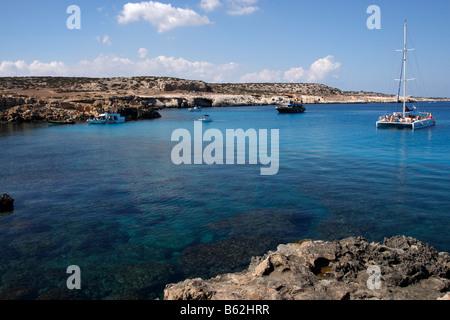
(18, 293)
(400, 268)
(6, 203)
(227, 255)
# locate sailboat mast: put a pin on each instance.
(404, 74)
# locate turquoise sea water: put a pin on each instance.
(110, 200)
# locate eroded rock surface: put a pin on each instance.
(317, 270)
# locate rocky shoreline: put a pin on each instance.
(400, 268)
(39, 99)
(28, 109)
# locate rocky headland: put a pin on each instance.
(400, 268)
(19, 109)
(6, 203)
(39, 99)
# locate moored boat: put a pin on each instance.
(107, 118)
(205, 118)
(195, 109)
(409, 118)
(61, 122)
(291, 107)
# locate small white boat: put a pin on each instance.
(205, 118)
(195, 109)
(107, 118)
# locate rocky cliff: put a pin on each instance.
(32, 99)
(350, 269)
(26, 109)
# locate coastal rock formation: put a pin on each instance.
(19, 110)
(131, 107)
(184, 85)
(350, 269)
(36, 99)
(6, 203)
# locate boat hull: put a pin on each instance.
(420, 124)
(104, 122)
(61, 122)
(291, 109)
(107, 119)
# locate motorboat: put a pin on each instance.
(107, 118)
(293, 106)
(61, 122)
(195, 109)
(205, 118)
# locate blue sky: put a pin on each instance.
(323, 41)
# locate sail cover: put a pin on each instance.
(410, 109)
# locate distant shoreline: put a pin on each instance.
(40, 99)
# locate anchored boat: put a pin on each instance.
(409, 118)
(291, 107)
(195, 109)
(205, 118)
(107, 118)
(61, 122)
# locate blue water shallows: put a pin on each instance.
(110, 200)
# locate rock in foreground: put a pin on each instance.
(338, 270)
(6, 203)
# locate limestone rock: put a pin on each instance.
(337, 270)
(446, 297)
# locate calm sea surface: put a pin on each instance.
(110, 200)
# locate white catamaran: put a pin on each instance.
(409, 118)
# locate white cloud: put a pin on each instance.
(210, 5)
(163, 16)
(143, 53)
(9, 68)
(235, 7)
(322, 68)
(113, 66)
(36, 68)
(318, 71)
(295, 74)
(242, 7)
(264, 76)
(104, 40)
